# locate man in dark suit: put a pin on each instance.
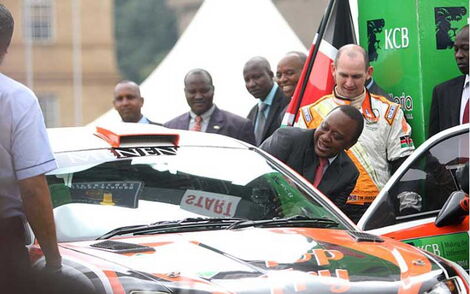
(268, 113)
(318, 154)
(128, 103)
(205, 116)
(449, 105)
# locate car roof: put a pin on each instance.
(136, 134)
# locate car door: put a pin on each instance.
(408, 205)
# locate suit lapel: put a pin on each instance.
(216, 122)
(331, 176)
(184, 123)
(456, 91)
(272, 112)
(310, 161)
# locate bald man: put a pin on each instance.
(288, 71)
(128, 102)
(385, 141)
(267, 114)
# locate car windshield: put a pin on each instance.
(96, 191)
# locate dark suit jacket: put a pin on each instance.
(221, 122)
(294, 146)
(374, 88)
(275, 115)
(445, 105)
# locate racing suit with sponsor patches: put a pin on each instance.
(385, 138)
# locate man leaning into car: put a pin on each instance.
(25, 157)
(318, 154)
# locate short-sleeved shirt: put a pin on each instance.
(24, 146)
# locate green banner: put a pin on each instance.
(410, 46)
(453, 246)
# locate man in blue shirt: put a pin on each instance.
(25, 156)
(268, 113)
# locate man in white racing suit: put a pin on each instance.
(386, 139)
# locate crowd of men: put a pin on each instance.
(347, 143)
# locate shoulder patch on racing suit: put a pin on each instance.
(306, 113)
(391, 112)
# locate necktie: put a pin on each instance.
(197, 124)
(261, 123)
(319, 171)
(465, 114)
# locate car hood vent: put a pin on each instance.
(364, 237)
(121, 247)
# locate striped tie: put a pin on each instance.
(197, 124)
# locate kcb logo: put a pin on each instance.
(396, 38)
(377, 34)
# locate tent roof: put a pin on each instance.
(222, 36)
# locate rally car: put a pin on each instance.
(407, 207)
(145, 209)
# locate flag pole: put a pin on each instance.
(321, 31)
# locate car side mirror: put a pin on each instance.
(454, 210)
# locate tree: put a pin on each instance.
(145, 31)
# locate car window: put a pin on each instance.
(426, 184)
(120, 187)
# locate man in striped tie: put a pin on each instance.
(204, 115)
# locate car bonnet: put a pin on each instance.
(254, 259)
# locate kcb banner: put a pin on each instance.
(410, 45)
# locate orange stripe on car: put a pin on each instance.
(114, 282)
(428, 230)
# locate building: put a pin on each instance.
(64, 51)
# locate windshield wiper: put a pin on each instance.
(292, 221)
(187, 224)
(199, 223)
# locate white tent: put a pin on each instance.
(223, 35)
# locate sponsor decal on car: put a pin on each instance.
(122, 152)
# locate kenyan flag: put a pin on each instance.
(406, 142)
(336, 29)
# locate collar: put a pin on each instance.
(331, 159)
(269, 99)
(358, 98)
(143, 120)
(466, 82)
(366, 106)
(206, 115)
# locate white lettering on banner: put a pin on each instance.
(405, 100)
(396, 38)
(210, 204)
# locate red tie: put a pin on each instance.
(319, 171)
(465, 114)
(197, 124)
